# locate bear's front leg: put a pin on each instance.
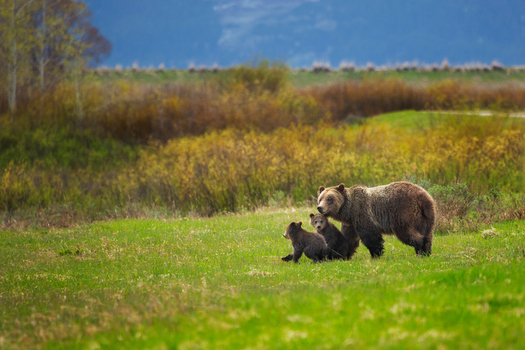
(296, 255)
(352, 237)
(374, 243)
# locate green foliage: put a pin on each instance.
(260, 75)
(61, 147)
(462, 160)
(220, 283)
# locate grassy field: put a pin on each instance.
(154, 218)
(303, 78)
(219, 283)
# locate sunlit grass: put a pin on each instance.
(220, 283)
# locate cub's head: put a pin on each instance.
(318, 221)
(330, 200)
(292, 228)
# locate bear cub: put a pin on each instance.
(312, 244)
(338, 247)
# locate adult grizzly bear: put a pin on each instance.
(337, 243)
(312, 244)
(399, 208)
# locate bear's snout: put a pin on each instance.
(320, 209)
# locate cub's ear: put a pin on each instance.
(311, 215)
(299, 224)
(321, 189)
(341, 188)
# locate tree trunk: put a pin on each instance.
(42, 61)
(12, 78)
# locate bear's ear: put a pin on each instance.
(321, 189)
(341, 188)
(299, 224)
(311, 215)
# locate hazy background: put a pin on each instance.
(227, 32)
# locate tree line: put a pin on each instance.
(44, 42)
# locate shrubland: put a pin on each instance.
(249, 139)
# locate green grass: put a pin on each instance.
(219, 283)
(409, 120)
(419, 121)
(300, 79)
(306, 78)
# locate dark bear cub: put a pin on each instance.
(338, 247)
(312, 244)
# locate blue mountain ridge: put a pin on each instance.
(299, 32)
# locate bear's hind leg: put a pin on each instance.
(289, 257)
(426, 250)
(413, 238)
(314, 253)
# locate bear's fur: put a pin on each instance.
(399, 208)
(337, 243)
(312, 244)
(352, 238)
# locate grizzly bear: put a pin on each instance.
(399, 208)
(312, 244)
(337, 243)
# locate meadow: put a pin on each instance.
(208, 283)
(303, 78)
(147, 211)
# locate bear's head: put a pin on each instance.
(292, 228)
(330, 200)
(318, 221)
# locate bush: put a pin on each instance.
(243, 141)
(231, 170)
(260, 75)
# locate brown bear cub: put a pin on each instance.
(337, 243)
(400, 208)
(312, 244)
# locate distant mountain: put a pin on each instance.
(299, 32)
